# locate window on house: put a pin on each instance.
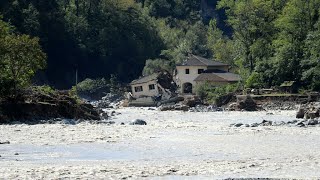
(187, 71)
(151, 87)
(200, 71)
(138, 89)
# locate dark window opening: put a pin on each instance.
(187, 71)
(187, 88)
(151, 87)
(200, 71)
(138, 89)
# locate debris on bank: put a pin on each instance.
(33, 107)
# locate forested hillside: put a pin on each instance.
(267, 42)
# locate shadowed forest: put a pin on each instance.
(267, 42)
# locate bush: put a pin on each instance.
(210, 93)
(92, 86)
(44, 89)
(156, 65)
(254, 81)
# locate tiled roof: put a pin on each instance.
(193, 60)
(231, 77)
(218, 77)
(145, 79)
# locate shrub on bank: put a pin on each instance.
(92, 88)
(211, 93)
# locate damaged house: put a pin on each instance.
(161, 86)
(155, 87)
(196, 70)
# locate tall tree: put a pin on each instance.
(295, 21)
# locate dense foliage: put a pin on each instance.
(20, 57)
(266, 42)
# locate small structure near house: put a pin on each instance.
(289, 87)
(196, 70)
(153, 88)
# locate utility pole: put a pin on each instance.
(77, 80)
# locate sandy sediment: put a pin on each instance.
(173, 145)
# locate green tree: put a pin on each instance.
(294, 23)
(252, 23)
(221, 46)
(156, 65)
(22, 58)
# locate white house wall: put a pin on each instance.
(182, 77)
(146, 91)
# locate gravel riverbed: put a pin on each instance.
(173, 145)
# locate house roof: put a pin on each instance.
(218, 77)
(194, 60)
(145, 79)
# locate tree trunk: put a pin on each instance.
(77, 7)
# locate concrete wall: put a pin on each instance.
(146, 91)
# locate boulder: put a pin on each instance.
(254, 125)
(4, 142)
(138, 122)
(238, 125)
(266, 123)
(312, 122)
(247, 104)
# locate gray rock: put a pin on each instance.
(300, 113)
(254, 125)
(266, 123)
(248, 104)
(5, 142)
(312, 122)
(238, 125)
(138, 122)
